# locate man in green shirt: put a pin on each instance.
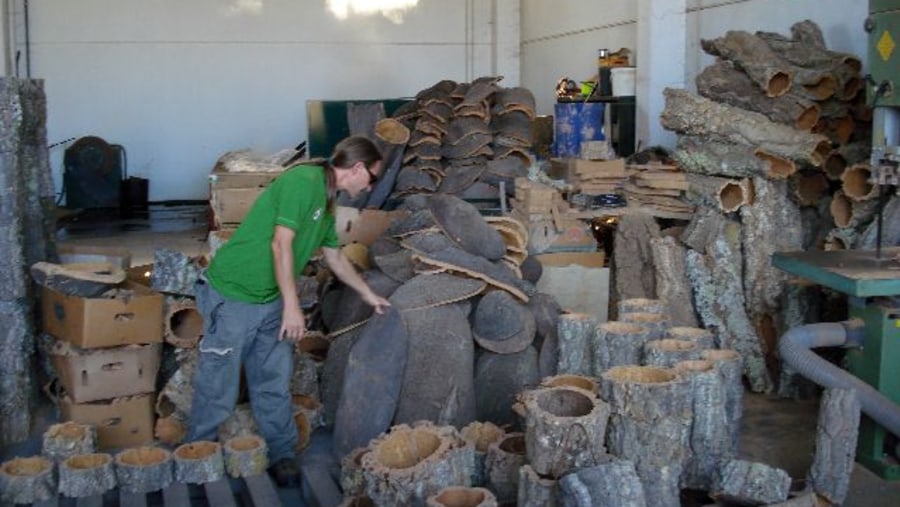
(248, 298)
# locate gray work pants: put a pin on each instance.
(234, 333)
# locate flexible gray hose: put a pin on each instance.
(794, 348)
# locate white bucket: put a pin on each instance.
(622, 81)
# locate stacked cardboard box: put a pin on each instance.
(660, 187)
(591, 177)
(106, 353)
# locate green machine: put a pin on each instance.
(871, 278)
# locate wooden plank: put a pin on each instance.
(177, 495)
(132, 499)
(90, 501)
(219, 493)
(262, 491)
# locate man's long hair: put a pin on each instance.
(346, 153)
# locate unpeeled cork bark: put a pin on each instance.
(460, 496)
(702, 337)
(699, 155)
(618, 344)
(836, 434)
(613, 482)
(751, 483)
(84, 475)
(536, 490)
(67, 439)
(501, 466)
(754, 56)
(352, 479)
(694, 115)
(27, 480)
(728, 364)
(672, 285)
(666, 353)
(199, 462)
(574, 332)
(481, 435)
(143, 469)
(246, 456)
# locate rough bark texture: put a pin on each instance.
(246, 456)
(694, 115)
(239, 424)
(666, 353)
(804, 500)
(564, 429)
(728, 364)
(536, 491)
(439, 375)
(481, 435)
(890, 234)
(702, 337)
(752, 55)
(801, 53)
(700, 155)
(575, 332)
(16, 347)
(633, 258)
(614, 482)
(650, 425)
(175, 272)
(183, 323)
(836, 434)
(199, 462)
(723, 82)
(752, 483)
(710, 440)
(143, 469)
(845, 156)
(717, 280)
(459, 496)
(27, 480)
(501, 466)
(506, 375)
(656, 323)
(409, 464)
(724, 194)
(618, 344)
(86, 475)
(67, 439)
(177, 396)
(352, 479)
(672, 285)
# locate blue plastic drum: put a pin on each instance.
(575, 122)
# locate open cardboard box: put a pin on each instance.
(120, 422)
(100, 374)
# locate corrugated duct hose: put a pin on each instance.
(794, 348)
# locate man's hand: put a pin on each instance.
(379, 303)
(293, 325)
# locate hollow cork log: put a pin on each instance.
(183, 324)
(755, 57)
(723, 82)
(656, 323)
(724, 194)
(702, 337)
(632, 268)
(642, 305)
(408, 464)
(855, 182)
(809, 187)
(27, 480)
(850, 214)
(574, 332)
(86, 474)
(728, 364)
(649, 424)
(750, 483)
(501, 466)
(699, 155)
(199, 462)
(618, 344)
(836, 434)
(580, 381)
(666, 352)
(143, 469)
(564, 429)
(352, 479)
(694, 115)
(536, 490)
(246, 456)
(672, 285)
(613, 482)
(461, 496)
(69, 438)
(710, 440)
(480, 436)
(844, 156)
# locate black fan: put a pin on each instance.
(93, 173)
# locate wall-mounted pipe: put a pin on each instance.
(795, 350)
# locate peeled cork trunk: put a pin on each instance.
(699, 155)
(694, 115)
(723, 82)
(836, 435)
(575, 332)
(27, 480)
(650, 425)
(752, 55)
(564, 430)
(84, 475)
(143, 469)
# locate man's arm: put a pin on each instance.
(341, 267)
(293, 325)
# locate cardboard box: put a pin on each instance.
(232, 194)
(101, 374)
(104, 322)
(573, 170)
(578, 281)
(121, 422)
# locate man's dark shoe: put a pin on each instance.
(285, 473)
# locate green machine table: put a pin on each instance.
(870, 282)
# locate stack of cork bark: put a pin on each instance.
(779, 125)
(659, 187)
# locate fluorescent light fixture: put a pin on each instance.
(391, 9)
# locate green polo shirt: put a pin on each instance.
(244, 267)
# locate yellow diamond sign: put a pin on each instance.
(885, 46)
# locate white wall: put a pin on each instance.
(180, 83)
(561, 38)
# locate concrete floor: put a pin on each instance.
(775, 431)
